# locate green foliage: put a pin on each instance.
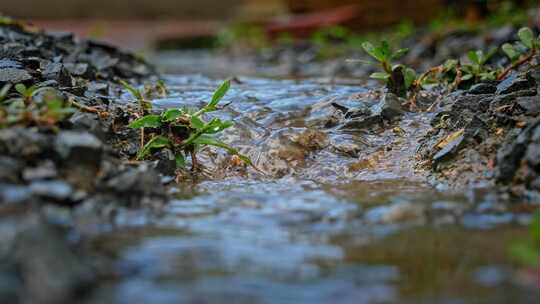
(181, 131)
(144, 104)
(527, 252)
(21, 107)
(477, 70)
(528, 44)
(385, 56)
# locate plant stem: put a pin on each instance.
(516, 64)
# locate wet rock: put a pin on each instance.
(56, 190)
(532, 155)
(56, 71)
(449, 150)
(77, 69)
(26, 143)
(79, 146)
(133, 184)
(346, 144)
(14, 75)
(511, 153)
(530, 104)
(397, 212)
(14, 194)
(49, 267)
(312, 139)
(87, 122)
(514, 83)
(10, 169)
(362, 122)
(483, 88)
(44, 170)
(389, 107)
(79, 155)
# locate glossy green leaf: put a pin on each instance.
(132, 90)
(409, 75)
(148, 121)
(171, 114)
(510, 51)
(180, 160)
(399, 53)
(218, 95)
(211, 141)
(380, 75)
(21, 89)
(158, 142)
(474, 56)
(197, 123)
(526, 36)
(4, 91)
(373, 51)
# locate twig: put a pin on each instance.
(83, 107)
(516, 64)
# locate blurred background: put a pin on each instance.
(134, 23)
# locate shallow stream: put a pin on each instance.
(340, 215)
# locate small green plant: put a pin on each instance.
(520, 52)
(25, 109)
(477, 70)
(397, 77)
(181, 132)
(527, 252)
(145, 105)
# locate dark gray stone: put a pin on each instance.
(482, 88)
(449, 150)
(389, 107)
(530, 104)
(21, 142)
(10, 169)
(14, 75)
(14, 194)
(50, 268)
(514, 83)
(81, 146)
(53, 189)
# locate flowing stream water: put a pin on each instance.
(340, 215)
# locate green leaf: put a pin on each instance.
(385, 49)
(218, 95)
(180, 160)
(21, 89)
(380, 75)
(148, 121)
(197, 123)
(510, 51)
(4, 91)
(409, 75)
(526, 36)
(131, 89)
(216, 125)
(171, 114)
(474, 56)
(373, 51)
(211, 141)
(466, 77)
(158, 142)
(399, 53)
